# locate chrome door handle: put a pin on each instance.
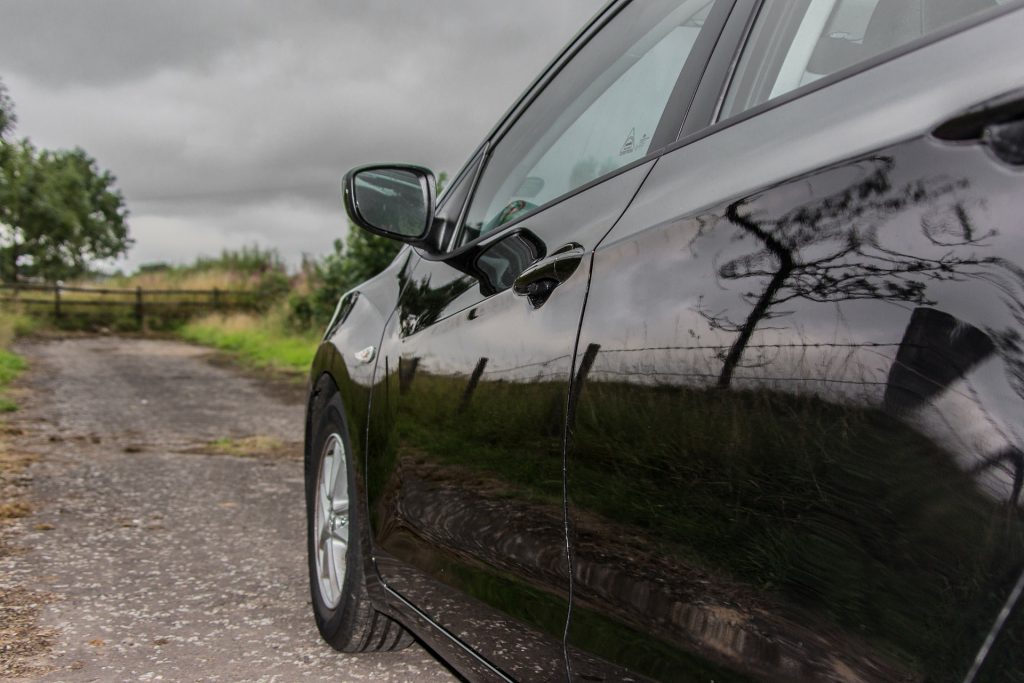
(539, 280)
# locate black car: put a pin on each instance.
(709, 365)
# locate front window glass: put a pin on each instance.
(796, 42)
(599, 114)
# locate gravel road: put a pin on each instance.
(150, 556)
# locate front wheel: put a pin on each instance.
(330, 520)
(335, 530)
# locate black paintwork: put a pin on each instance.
(769, 434)
(805, 463)
(465, 475)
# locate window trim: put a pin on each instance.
(683, 92)
(477, 164)
(720, 68)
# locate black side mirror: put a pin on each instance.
(392, 200)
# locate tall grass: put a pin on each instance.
(249, 286)
(12, 325)
(247, 269)
(834, 512)
(187, 279)
(264, 341)
(15, 324)
(250, 279)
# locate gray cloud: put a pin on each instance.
(234, 120)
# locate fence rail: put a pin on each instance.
(104, 304)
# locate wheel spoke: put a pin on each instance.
(324, 556)
(325, 513)
(339, 487)
(326, 480)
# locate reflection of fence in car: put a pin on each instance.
(98, 304)
(674, 367)
(936, 352)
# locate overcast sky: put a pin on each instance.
(230, 122)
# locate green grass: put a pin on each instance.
(262, 342)
(250, 446)
(17, 324)
(830, 509)
(11, 364)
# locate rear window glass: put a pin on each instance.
(796, 42)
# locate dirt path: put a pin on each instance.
(150, 558)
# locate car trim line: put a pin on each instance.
(455, 640)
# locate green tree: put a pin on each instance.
(59, 212)
(358, 257)
(7, 117)
(7, 121)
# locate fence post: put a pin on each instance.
(216, 299)
(589, 356)
(406, 371)
(474, 379)
(56, 301)
(138, 307)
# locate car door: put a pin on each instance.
(796, 442)
(465, 453)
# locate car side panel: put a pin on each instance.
(357, 325)
(465, 445)
(797, 445)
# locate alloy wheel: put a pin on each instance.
(331, 520)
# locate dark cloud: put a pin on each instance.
(234, 119)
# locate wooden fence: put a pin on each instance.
(67, 304)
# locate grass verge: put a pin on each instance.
(258, 341)
(257, 446)
(11, 365)
(12, 325)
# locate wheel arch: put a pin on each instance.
(329, 375)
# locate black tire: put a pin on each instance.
(353, 624)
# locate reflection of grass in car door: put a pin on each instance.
(497, 432)
(843, 510)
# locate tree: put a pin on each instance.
(830, 250)
(359, 257)
(58, 212)
(7, 121)
(7, 117)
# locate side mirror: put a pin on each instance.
(392, 200)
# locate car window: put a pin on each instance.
(598, 114)
(796, 42)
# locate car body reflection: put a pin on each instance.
(821, 480)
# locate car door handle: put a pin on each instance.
(539, 280)
(998, 123)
